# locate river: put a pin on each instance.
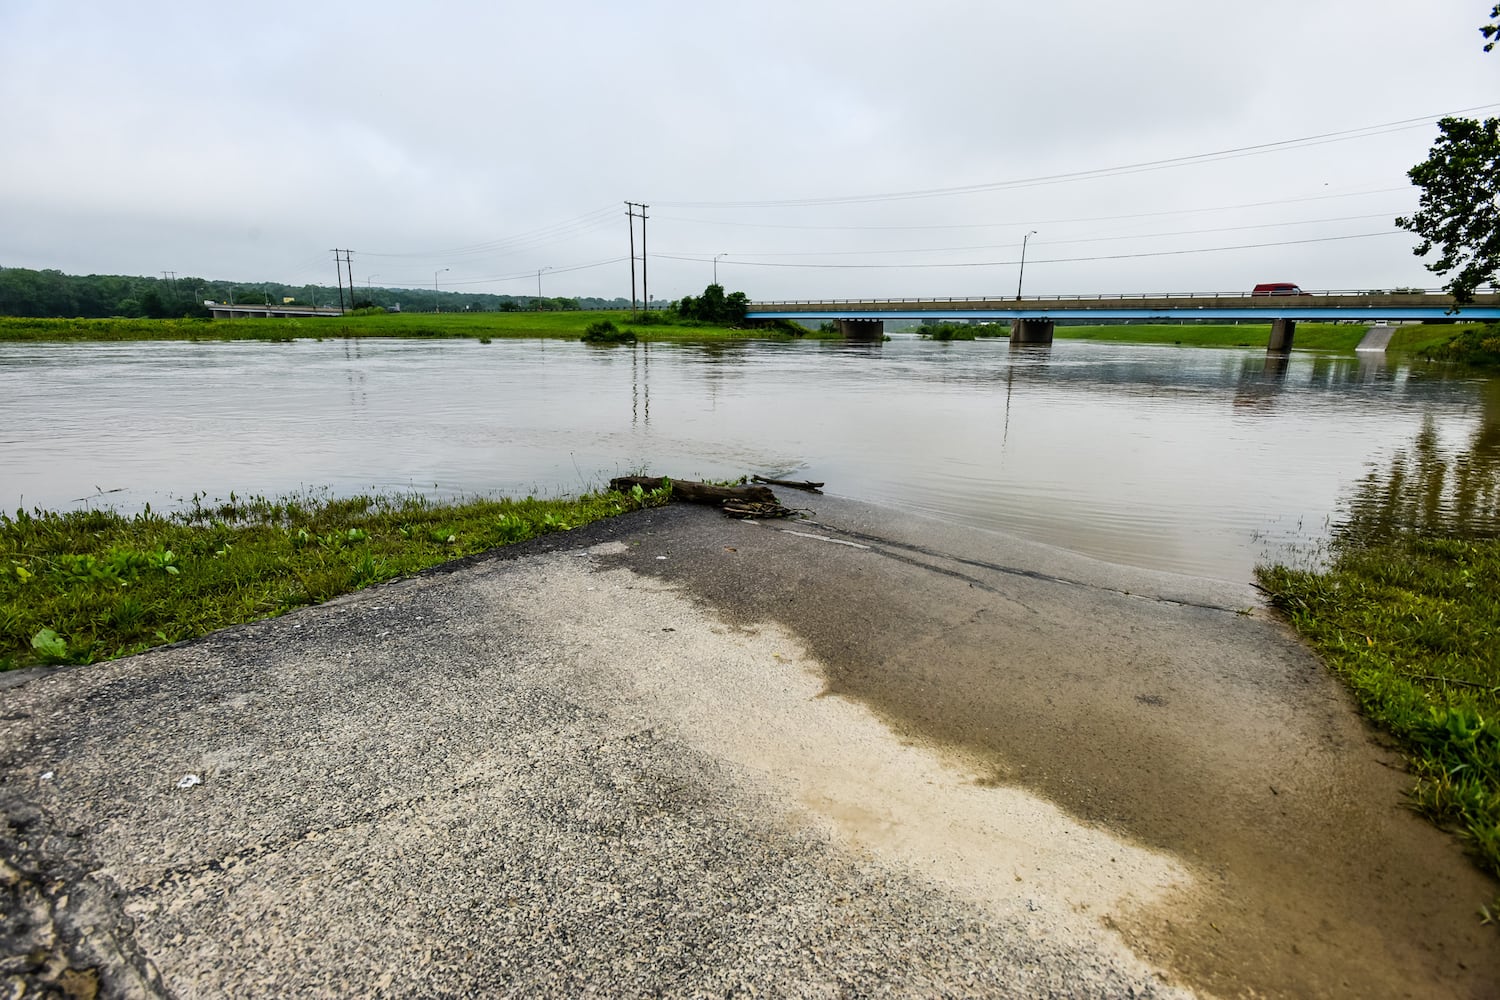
(1201, 461)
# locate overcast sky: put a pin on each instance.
(812, 143)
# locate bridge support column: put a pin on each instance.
(1281, 336)
(860, 329)
(1030, 331)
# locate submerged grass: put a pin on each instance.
(1407, 613)
(82, 586)
(482, 326)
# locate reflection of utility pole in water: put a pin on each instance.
(1010, 381)
(358, 397)
(640, 385)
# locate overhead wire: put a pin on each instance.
(1055, 242)
(1039, 222)
(1041, 260)
(530, 239)
(1343, 135)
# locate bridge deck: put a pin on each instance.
(1307, 306)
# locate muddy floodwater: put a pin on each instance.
(1202, 461)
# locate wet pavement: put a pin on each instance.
(860, 754)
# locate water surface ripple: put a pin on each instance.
(1195, 460)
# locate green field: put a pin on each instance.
(662, 326)
(477, 326)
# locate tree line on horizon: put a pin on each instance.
(44, 294)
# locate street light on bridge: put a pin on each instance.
(1023, 263)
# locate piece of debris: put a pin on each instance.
(793, 484)
(188, 781)
(736, 501)
(750, 508)
(694, 492)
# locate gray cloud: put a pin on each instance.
(244, 140)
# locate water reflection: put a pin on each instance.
(1178, 458)
(640, 386)
(1428, 489)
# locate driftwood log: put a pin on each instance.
(796, 484)
(692, 492)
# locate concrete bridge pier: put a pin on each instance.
(1282, 331)
(860, 329)
(1030, 331)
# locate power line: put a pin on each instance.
(530, 239)
(404, 281)
(1052, 242)
(1092, 174)
(1054, 260)
(1038, 222)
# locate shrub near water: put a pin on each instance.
(1479, 347)
(605, 332)
(1408, 613)
(88, 585)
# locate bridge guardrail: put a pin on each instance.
(1117, 297)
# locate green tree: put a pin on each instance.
(1459, 212)
(1492, 31)
(713, 306)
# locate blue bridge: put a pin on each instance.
(1032, 319)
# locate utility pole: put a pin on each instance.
(338, 266)
(349, 263)
(630, 211)
(630, 217)
(170, 277)
(1022, 273)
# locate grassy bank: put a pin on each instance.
(1342, 337)
(1478, 347)
(89, 585)
(480, 326)
(1407, 612)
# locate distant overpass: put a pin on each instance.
(1032, 318)
(221, 310)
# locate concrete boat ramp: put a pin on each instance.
(673, 754)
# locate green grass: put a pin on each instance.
(1407, 612)
(1478, 347)
(82, 586)
(489, 325)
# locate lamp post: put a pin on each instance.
(1023, 263)
(539, 285)
(437, 305)
(716, 266)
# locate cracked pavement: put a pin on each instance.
(674, 754)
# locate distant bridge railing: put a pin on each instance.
(1403, 293)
